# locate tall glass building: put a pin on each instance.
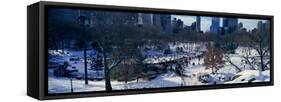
(230, 24)
(198, 24)
(215, 25)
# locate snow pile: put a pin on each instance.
(217, 78)
(57, 52)
(248, 76)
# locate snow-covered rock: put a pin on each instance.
(248, 76)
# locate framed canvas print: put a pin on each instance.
(83, 50)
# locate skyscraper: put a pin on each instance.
(161, 21)
(144, 19)
(215, 25)
(166, 23)
(198, 24)
(260, 25)
(139, 22)
(263, 26)
(240, 26)
(230, 25)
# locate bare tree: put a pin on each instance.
(260, 43)
(110, 31)
(213, 59)
(255, 49)
(179, 70)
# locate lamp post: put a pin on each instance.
(83, 22)
(70, 75)
(71, 86)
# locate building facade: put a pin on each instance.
(162, 21)
(215, 26)
(230, 25)
(198, 24)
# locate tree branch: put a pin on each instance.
(114, 64)
(230, 62)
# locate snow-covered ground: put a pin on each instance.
(62, 85)
(225, 75)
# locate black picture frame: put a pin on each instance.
(37, 85)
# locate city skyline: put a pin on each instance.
(206, 22)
